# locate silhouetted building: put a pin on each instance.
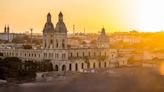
(103, 40)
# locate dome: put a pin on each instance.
(103, 37)
(60, 27)
(49, 14)
(49, 27)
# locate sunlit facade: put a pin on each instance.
(55, 49)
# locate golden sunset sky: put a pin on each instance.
(114, 15)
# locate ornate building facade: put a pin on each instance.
(55, 49)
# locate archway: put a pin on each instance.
(88, 65)
(76, 67)
(1, 54)
(82, 66)
(63, 68)
(70, 67)
(104, 64)
(94, 65)
(56, 68)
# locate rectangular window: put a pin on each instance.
(63, 56)
(83, 54)
(56, 55)
(50, 55)
(45, 55)
(77, 54)
(71, 55)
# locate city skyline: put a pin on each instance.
(81, 45)
(114, 15)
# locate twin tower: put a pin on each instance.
(55, 37)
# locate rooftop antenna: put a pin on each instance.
(31, 34)
(84, 30)
(73, 29)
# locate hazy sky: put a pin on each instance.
(114, 15)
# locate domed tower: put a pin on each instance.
(8, 29)
(60, 33)
(60, 17)
(48, 34)
(103, 40)
(5, 28)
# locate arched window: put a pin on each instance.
(94, 65)
(56, 68)
(70, 67)
(1, 54)
(57, 44)
(88, 65)
(105, 65)
(51, 41)
(82, 66)
(63, 68)
(76, 67)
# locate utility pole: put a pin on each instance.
(73, 29)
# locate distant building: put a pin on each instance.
(7, 35)
(127, 37)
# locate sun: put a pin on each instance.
(150, 15)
